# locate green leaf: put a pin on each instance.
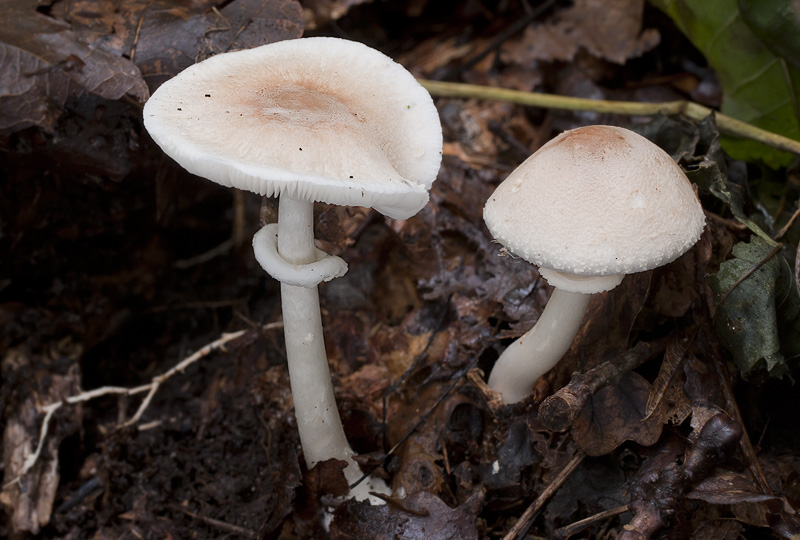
(777, 24)
(758, 86)
(758, 319)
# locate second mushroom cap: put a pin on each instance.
(594, 201)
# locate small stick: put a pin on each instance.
(521, 526)
(578, 526)
(216, 251)
(559, 411)
(235, 529)
(695, 111)
(788, 224)
(151, 388)
(30, 461)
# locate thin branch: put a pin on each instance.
(30, 461)
(521, 526)
(695, 111)
(234, 529)
(151, 388)
(559, 411)
(578, 526)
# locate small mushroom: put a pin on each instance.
(314, 119)
(590, 206)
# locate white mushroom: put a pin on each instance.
(590, 206)
(314, 119)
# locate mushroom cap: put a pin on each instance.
(320, 119)
(596, 201)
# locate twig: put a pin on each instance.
(788, 224)
(578, 526)
(135, 43)
(216, 251)
(695, 111)
(559, 411)
(506, 34)
(459, 375)
(235, 529)
(521, 526)
(151, 388)
(30, 461)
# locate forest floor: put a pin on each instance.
(115, 265)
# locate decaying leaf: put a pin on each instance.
(607, 29)
(728, 487)
(616, 414)
(44, 63)
(664, 477)
(752, 319)
(165, 37)
(668, 400)
(320, 13)
(503, 477)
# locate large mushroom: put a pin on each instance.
(590, 206)
(314, 119)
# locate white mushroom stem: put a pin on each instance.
(321, 431)
(318, 422)
(535, 353)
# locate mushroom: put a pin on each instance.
(590, 206)
(313, 119)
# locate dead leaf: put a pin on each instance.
(668, 400)
(320, 13)
(44, 63)
(609, 29)
(616, 414)
(327, 478)
(729, 487)
(164, 37)
(504, 478)
(674, 286)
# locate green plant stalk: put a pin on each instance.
(695, 111)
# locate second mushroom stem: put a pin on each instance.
(321, 432)
(536, 352)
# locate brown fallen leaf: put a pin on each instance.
(327, 478)
(609, 29)
(164, 37)
(729, 487)
(169, 41)
(44, 62)
(616, 414)
(319, 13)
(668, 400)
